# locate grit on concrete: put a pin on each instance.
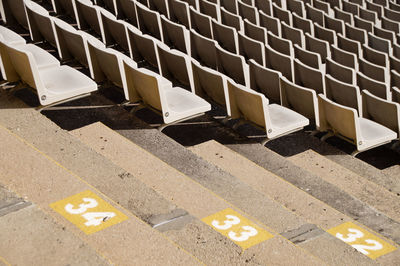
(26, 177)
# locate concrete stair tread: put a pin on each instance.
(26, 177)
(296, 200)
(284, 146)
(180, 189)
(354, 184)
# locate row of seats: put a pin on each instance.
(254, 116)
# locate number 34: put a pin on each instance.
(248, 231)
(92, 218)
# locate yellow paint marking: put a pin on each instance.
(88, 212)
(3, 260)
(362, 240)
(237, 228)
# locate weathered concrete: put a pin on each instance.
(42, 181)
(194, 198)
(9, 202)
(29, 237)
(357, 186)
(321, 190)
(301, 141)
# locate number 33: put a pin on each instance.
(231, 220)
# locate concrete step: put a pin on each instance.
(320, 189)
(365, 164)
(120, 236)
(29, 235)
(187, 230)
(350, 182)
(296, 200)
(197, 200)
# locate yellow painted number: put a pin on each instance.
(237, 228)
(362, 240)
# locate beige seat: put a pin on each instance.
(173, 103)
(13, 13)
(179, 12)
(251, 49)
(344, 122)
(201, 23)
(210, 84)
(126, 9)
(41, 24)
(43, 59)
(279, 62)
(265, 81)
(384, 112)
(88, 17)
(65, 7)
(300, 99)
(271, 23)
(149, 21)
(176, 67)
(106, 64)
(254, 107)
(72, 43)
(175, 35)
(375, 87)
(231, 19)
(309, 77)
(203, 49)
(52, 84)
(225, 36)
(115, 31)
(343, 93)
(232, 65)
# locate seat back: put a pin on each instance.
(265, 81)
(14, 13)
(279, 61)
(106, 66)
(338, 118)
(384, 112)
(248, 104)
(231, 19)
(349, 45)
(149, 21)
(300, 99)
(211, 83)
(143, 48)
(179, 12)
(307, 57)
(176, 67)
(210, 9)
(377, 88)
(232, 65)
(126, 9)
(375, 56)
(308, 77)
(255, 32)
(279, 44)
(225, 36)
(25, 67)
(396, 95)
(248, 12)
(175, 35)
(201, 23)
(203, 49)
(317, 46)
(161, 6)
(373, 71)
(296, 36)
(271, 23)
(340, 72)
(115, 31)
(65, 7)
(72, 44)
(88, 17)
(251, 49)
(41, 25)
(343, 57)
(343, 93)
(143, 85)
